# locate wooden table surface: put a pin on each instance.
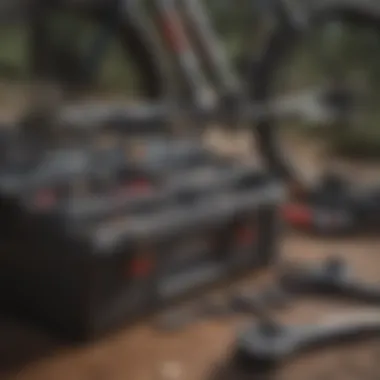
(142, 352)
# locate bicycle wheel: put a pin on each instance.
(80, 46)
(318, 60)
(94, 54)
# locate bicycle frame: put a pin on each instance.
(213, 53)
(204, 101)
(175, 16)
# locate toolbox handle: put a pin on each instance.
(167, 223)
(95, 209)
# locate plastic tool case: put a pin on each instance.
(87, 264)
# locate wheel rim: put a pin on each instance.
(328, 49)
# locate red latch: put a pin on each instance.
(246, 236)
(297, 214)
(45, 198)
(141, 267)
(137, 186)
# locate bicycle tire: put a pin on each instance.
(281, 43)
(134, 38)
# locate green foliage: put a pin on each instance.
(13, 50)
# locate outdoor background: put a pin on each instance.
(243, 29)
(141, 352)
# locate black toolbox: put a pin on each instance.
(82, 272)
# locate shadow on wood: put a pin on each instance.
(21, 344)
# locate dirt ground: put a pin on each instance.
(144, 353)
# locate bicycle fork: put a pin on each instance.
(212, 51)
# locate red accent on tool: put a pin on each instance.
(141, 267)
(297, 214)
(45, 198)
(137, 186)
(246, 235)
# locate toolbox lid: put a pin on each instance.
(167, 223)
(184, 189)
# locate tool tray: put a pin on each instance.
(62, 177)
(69, 186)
